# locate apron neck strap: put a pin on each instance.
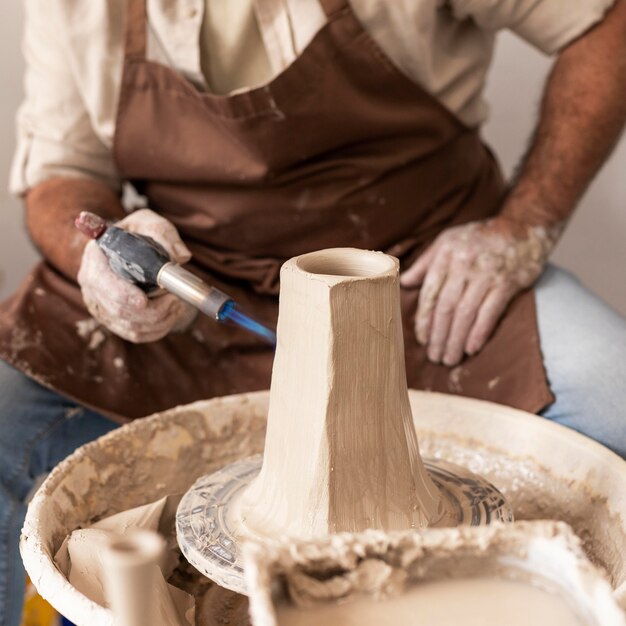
(332, 7)
(136, 29)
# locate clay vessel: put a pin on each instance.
(132, 563)
(341, 452)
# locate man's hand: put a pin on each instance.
(471, 273)
(468, 276)
(124, 308)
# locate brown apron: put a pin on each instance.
(340, 149)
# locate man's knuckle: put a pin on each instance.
(466, 309)
(480, 330)
(445, 309)
(142, 214)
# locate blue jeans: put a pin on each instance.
(583, 341)
(38, 428)
(584, 347)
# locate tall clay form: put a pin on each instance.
(131, 563)
(341, 451)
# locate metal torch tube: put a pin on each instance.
(191, 289)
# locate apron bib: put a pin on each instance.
(340, 149)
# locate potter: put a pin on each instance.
(267, 130)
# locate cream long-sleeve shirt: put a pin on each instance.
(74, 54)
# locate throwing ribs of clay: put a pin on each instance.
(80, 558)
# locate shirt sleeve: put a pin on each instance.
(549, 25)
(55, 136)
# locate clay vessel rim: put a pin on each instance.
(136, 548)
(346, 264)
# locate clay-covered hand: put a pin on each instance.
(469, 275)
(121, 306)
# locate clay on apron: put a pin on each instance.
(340, 149)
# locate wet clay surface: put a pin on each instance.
(533, 493)
(448, 603)
(219, 606)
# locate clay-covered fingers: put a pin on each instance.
(464, 317)
(415, 274)
(108, 298)
(99, 283)
(163, 315)
(491, 310)
(433, 283)
(443, 314)
(122, 307)
(468, 276)
(151, 224)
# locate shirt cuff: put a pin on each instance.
(36, 160)
(549, 28)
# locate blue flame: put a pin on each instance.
(230, 312)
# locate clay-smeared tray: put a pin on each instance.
(208, 531)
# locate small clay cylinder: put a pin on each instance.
(131, 563)
(341, 451)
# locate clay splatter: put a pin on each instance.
(493, 382)
(96, 339)
(455, 384)
(90, 329)
(196, 333)
(84, 328)
(22, 338)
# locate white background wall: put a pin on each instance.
(593, 246)
(16, 252)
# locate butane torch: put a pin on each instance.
(145, 263)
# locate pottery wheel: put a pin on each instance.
(208, 539)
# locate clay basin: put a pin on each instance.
(546, 470)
